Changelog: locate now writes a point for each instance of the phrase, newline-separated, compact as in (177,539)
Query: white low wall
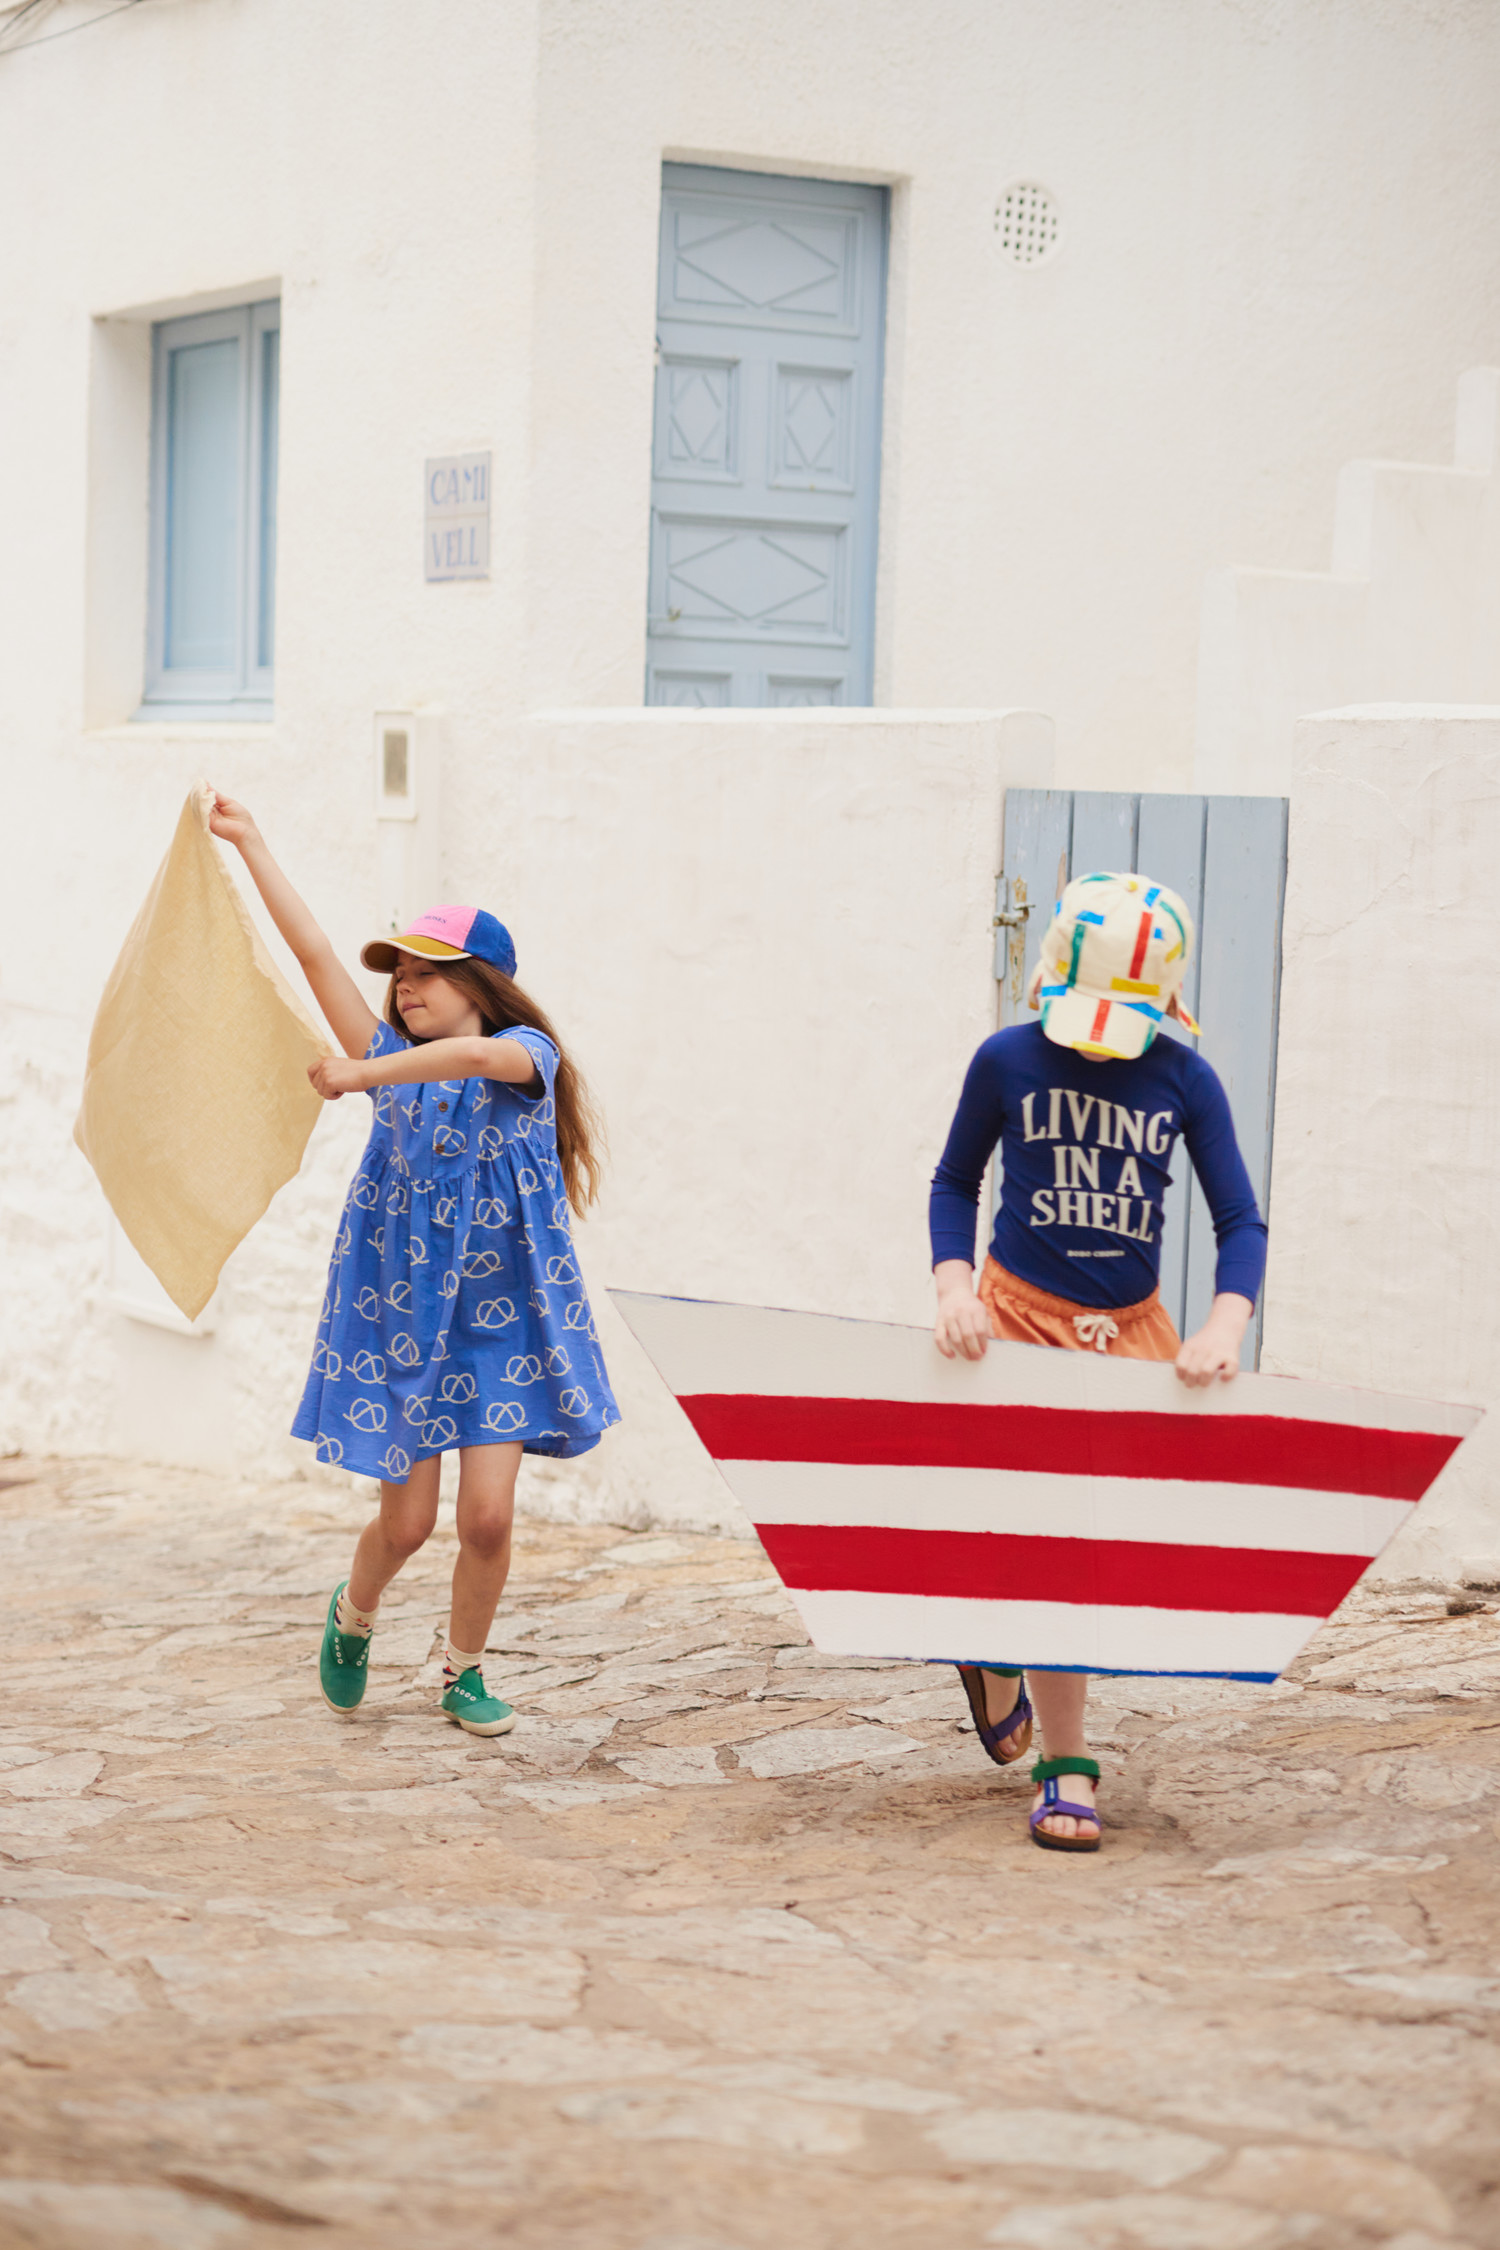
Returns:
(1385,1196)
(765,935)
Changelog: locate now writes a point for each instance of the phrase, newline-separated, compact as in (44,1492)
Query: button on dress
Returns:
(455,1312)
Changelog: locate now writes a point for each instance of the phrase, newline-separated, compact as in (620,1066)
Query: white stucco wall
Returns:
(1277,252)
(767,938)
(1385,1193)
(1409,609)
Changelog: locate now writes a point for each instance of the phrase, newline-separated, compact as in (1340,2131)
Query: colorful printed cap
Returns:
(447,933)
(1113,959)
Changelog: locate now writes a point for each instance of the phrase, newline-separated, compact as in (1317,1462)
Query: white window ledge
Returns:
(156,726)
(132,1288)
(247,712)
(834,716)
(164,1315)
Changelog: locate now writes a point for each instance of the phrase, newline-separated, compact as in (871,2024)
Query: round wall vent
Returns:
(1027,225)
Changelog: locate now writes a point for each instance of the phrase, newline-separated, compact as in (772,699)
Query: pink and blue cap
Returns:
(447,933)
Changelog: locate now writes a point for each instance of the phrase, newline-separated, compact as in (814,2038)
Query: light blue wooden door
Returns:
(1226,856)
(766,440)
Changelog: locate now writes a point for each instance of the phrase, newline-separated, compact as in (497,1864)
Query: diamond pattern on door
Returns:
(814,427)
(690,691)
(752,576)
(771,310)
(773,266)
(697,402)
(801,695)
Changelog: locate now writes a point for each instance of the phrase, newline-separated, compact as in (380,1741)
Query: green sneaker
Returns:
(343,1661)
(470,1705)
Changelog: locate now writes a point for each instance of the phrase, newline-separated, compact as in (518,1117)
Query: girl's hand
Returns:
(232,822)
(336,1075)
(1215,1351)
(962,1327)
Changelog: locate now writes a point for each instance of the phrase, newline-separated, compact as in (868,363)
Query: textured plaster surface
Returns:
(1405,614)
(1385,1191)
(727,1946)
(1277,252)
(767,942)
(1275,255)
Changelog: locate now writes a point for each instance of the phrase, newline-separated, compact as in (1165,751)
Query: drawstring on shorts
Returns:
(1095,1328)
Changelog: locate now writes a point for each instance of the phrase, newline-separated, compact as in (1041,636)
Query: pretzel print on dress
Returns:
(462,1284)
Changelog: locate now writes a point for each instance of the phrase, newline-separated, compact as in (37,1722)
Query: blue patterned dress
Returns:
(455,1312)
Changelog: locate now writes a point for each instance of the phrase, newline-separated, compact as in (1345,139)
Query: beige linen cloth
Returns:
(196,1103)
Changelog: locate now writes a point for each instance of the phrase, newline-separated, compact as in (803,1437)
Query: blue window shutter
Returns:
(270,408)
(215,418)
(203,506)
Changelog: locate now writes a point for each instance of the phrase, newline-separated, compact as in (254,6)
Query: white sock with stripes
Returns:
(348,1619)
(457,1661)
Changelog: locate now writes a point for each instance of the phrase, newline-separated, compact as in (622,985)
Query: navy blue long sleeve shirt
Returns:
(1085,1148)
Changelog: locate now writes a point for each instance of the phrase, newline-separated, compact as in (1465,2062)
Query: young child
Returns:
(1086,1107)
(455,1316)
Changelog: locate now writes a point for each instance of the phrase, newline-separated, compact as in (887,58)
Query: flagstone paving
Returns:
(729,1946)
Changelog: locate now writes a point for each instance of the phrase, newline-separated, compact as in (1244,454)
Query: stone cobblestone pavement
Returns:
(728,1946)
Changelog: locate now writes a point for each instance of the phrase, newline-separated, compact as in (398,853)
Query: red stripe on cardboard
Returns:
(1208,1449)
(1010,1567)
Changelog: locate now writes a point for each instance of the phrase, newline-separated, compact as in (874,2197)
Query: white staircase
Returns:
(1408,613)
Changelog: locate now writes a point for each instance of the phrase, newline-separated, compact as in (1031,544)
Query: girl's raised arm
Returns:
(350,1017)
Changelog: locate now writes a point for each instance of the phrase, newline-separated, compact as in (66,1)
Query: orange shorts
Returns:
(1020,1314)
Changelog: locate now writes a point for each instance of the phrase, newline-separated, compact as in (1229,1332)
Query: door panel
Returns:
(1169,844)
(1226,856)
(1103,831)
(766,439)
(1244,876)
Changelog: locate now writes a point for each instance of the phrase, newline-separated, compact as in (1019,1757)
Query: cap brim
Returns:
(1096,1026)
(381,953)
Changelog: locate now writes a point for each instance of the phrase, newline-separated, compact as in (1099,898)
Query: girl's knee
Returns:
(406,1534)
(486,1536)
(409,1512)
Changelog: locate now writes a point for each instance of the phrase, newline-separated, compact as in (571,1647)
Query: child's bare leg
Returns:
(407,1514)
(1060,1699)
(486,1506)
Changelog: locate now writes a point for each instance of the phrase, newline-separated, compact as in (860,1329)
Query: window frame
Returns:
(243,690)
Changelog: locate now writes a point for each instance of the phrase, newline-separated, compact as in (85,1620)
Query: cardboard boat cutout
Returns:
(1060,1510)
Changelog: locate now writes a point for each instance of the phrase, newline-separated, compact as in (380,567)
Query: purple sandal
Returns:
(1046,1772)
(1016,1722)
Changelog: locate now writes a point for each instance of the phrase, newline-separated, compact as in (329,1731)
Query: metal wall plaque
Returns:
(456,533)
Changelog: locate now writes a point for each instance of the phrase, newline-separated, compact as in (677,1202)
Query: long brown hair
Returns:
(502,1003)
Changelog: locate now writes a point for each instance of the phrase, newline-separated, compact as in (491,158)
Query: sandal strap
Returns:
(1018,1716)
(1054,1805)
(1048,1769)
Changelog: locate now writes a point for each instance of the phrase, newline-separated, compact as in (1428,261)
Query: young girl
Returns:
(1076,1248)
(455,1316)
